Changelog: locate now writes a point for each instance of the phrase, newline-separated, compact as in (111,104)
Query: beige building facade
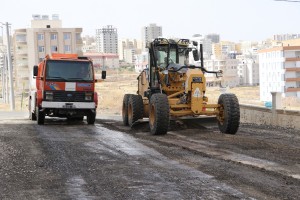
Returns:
(31,45)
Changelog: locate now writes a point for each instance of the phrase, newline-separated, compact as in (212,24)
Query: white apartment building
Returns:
(279,71)
(31,45)
(206,45)
(150,32)
(104,60)
(248,70)
(141,61)
(129,45)
(229,68)
(129,56)
(107,40)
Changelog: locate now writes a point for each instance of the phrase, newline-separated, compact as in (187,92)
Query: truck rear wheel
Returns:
(125,109)
(32,116)
(159,114)
(40,115)
(135,109)
(229,116)
(91,117)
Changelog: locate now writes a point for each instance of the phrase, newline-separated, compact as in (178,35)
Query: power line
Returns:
(293,1)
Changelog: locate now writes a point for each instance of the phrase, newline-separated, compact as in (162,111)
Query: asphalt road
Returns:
(74,160)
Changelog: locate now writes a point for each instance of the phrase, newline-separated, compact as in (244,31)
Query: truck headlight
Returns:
(49,96)
(88,96)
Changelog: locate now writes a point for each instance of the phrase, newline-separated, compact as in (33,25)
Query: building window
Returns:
(41,49)
(53,36)
(78,36)
(67,36)
(40,36)
(21,38)
(53,48)
(67,48)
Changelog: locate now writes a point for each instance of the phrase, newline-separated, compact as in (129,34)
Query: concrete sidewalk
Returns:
(13,115)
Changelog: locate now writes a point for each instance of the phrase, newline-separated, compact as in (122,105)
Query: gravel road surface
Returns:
(73,160)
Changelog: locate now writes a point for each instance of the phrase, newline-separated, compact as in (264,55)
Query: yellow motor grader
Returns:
(170,87)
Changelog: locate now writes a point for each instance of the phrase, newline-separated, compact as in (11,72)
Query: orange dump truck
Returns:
(65,87)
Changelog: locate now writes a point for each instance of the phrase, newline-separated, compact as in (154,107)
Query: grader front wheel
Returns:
(135,109)
(159,114)
(229,116)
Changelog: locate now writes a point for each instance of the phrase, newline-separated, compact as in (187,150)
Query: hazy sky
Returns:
(233,19)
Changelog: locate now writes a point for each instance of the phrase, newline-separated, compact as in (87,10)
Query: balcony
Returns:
(21,52)
(292,79)
(293,69)
(292,89)
(293,59)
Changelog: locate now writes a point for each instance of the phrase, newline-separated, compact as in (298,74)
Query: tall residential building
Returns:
(141,61)
(127,47)
(215,38)
(150,32)
(223,49)
(248,69)
(229,68)
(31,45)
(89,44)
(282,37)
(107,40)
(279,71)
(206,45)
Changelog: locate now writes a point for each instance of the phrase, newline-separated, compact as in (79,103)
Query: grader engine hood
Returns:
(196,85)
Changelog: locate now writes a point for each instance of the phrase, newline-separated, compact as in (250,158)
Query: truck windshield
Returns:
(64,70)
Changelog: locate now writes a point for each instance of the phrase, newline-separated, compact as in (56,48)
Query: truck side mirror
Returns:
(103,75)
(35,70)
(195,43)
(196,55)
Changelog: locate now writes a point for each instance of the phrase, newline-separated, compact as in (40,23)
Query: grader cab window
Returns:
(162,57)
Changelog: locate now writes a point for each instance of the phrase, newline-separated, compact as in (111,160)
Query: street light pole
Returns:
(10,70)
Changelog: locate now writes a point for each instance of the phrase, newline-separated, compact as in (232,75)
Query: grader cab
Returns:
(170,88)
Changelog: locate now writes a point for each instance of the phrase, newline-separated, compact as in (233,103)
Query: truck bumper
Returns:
(68,105)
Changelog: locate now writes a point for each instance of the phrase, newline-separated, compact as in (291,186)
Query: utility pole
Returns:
(10,71)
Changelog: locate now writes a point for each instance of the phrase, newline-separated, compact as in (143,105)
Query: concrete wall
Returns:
(266,116)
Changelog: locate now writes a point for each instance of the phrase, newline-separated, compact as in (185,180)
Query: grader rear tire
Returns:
(159,114)
(229,114)
(135,109)
(125,109)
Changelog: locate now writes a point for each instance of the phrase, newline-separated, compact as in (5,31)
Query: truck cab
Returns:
(65,87)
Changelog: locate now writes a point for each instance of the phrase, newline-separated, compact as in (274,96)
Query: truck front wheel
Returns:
(40,115)
(91,117)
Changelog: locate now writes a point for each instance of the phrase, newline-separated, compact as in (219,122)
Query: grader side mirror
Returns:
(196,55)
(35,70)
